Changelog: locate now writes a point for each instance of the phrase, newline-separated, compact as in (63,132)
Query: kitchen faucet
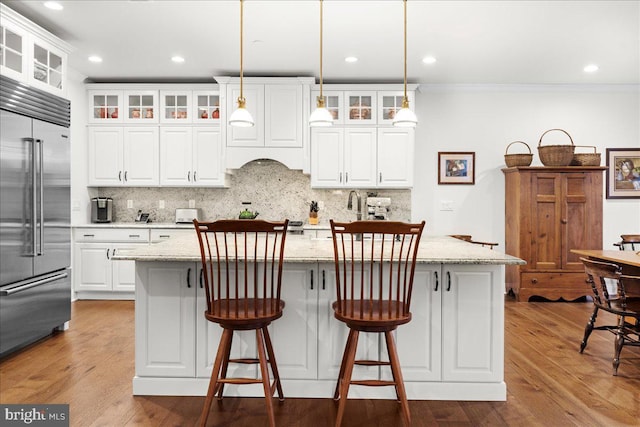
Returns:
(350,204)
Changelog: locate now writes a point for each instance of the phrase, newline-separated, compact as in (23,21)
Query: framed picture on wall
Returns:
(623,173)
(456,167)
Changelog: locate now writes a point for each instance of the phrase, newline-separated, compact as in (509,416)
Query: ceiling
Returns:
(474,42)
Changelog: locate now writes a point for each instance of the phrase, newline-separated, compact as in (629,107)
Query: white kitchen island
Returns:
(453,349)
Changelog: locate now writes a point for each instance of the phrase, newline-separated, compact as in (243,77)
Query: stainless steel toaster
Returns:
(187,215)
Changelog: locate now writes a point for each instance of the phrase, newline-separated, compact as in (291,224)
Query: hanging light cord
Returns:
(241,51)
(321,97)
(405,52)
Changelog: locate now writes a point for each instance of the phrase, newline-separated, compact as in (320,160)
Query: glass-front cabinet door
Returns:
(206,107)
(141,106)
(360,107)
(105,106)
(12,54)
(48,66)
(390,102)
(333,101)
(175,106)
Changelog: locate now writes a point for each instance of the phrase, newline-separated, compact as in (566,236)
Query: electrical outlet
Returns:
(129,204)
(192,203)
(446,205)
(161,204)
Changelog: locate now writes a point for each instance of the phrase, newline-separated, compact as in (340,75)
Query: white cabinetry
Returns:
(351,155)
(95,274)
(279,107)
(191,156)
(123,156)
(166,319)
(343,157)
(31,55)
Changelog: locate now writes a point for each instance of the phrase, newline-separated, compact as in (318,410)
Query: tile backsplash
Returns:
(274,191)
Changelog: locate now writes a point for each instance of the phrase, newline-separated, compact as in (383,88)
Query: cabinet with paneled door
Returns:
(206,107)
(548,212)
(362,157)
(191,156)
(176,106)
(96,274)
(123,106)
(123,156)
(333,101)
(32,55)
(390,102)
(343,157)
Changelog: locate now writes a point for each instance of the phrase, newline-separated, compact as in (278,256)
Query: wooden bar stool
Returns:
(242,273)
(375,264)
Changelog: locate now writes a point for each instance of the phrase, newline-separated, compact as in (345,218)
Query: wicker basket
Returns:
(512,160)
(586,159)
(556,155)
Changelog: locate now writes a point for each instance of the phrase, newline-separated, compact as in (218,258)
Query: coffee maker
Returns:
(378,208)
(101,209)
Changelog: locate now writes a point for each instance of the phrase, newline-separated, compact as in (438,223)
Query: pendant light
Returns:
(320,116)
(241,116)
(405,117)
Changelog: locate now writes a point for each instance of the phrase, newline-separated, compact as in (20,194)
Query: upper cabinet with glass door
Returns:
(390,102)
(206,107)
(141,106)
(31,55)
(175,106)
(333,101)
(105,106)
(360,107)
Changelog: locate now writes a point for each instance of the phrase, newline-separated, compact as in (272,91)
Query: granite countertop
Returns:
(300,248)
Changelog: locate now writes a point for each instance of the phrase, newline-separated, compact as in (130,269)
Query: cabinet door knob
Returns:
(311,279)
(437,281)
(534,280)
(563,220)
(120,176)
(189,278)
(448,281)
(125,176)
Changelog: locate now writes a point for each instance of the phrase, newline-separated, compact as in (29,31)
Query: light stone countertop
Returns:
(300,248)
(164,225)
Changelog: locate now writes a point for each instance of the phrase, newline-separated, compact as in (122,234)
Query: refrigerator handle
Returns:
(33,284)
(34,196)
(41,195)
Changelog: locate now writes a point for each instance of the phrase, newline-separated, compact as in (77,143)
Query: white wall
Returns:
(485,119)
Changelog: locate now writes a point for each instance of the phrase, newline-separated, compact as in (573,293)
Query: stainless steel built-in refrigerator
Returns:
(35,236)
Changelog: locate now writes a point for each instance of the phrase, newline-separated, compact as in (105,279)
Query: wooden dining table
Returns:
(629,261)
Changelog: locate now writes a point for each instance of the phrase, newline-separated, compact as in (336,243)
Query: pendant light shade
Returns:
(241,117)
(405,117)
(320,116)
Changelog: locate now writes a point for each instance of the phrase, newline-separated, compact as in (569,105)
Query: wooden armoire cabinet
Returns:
(548,212)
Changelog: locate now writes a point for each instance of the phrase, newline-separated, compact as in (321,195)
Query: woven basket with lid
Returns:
(556,155)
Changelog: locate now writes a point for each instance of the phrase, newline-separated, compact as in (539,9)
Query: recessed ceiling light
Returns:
(428,60)
(53,5)
(95,58)
(177,59)
(591,68)
(350,59)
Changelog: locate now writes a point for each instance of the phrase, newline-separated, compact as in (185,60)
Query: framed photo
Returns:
(623,173)
(456,168)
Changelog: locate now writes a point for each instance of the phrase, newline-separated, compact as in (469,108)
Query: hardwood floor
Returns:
(549,382)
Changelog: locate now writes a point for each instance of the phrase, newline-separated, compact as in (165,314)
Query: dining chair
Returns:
(612,297)
(468,238)
(374,265)
(628,241)
(242,274)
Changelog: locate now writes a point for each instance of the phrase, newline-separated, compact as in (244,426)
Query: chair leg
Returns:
(397,377)
(225,365)
(336,394)
(272,362)
(619,342)
(225,343)
(266,383)
(589,328)
(345,381)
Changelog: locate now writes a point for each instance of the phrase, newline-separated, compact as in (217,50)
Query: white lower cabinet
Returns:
(452,348)
(95,273)
(166,319)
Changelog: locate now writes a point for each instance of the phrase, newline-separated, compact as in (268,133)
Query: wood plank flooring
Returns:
(549,383)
